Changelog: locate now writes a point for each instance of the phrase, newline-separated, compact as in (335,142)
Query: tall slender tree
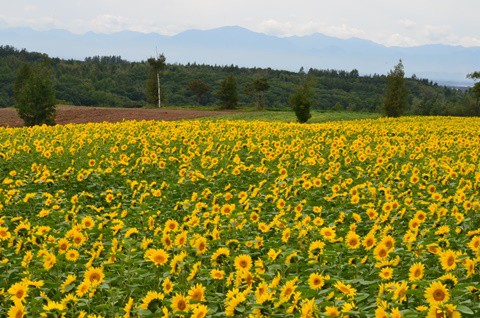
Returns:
(34,94)
(395,99)
(476,91)
(259,85)
(228,92)
(199,88)
(302,100)
(157,65)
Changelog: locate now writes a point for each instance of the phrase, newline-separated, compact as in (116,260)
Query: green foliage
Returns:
(199,88)
(258,86)
(112,81)
(301,101)
(476,92)
(35,95)
(395,99)
(289,116)
(474,75)
(337,107)
(228,93)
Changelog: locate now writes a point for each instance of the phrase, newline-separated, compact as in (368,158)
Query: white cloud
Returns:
(274,27)
(39,23)
(437,33)
(407,23)
(288,28)
(395,22)
(400,40)
(469,40)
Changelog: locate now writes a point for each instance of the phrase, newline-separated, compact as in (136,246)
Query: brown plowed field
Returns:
(82,114)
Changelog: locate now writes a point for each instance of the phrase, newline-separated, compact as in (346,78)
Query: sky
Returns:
(388,22)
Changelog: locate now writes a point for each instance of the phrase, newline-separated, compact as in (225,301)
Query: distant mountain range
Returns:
(447,65)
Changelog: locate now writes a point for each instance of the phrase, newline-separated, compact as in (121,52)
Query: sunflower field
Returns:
(369,218)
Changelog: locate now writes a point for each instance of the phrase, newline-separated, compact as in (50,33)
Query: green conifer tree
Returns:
(395,99)
(228,93)
(34,94)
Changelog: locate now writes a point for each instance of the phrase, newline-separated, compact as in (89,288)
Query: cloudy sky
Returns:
(389,22)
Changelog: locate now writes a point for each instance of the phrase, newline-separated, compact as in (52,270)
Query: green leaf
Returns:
(240,309)
(465,310)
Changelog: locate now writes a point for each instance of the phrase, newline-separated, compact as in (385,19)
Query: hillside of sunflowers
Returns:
(368,218)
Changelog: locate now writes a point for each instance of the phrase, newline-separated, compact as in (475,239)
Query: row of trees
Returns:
(111,81)
(424,96)
(395,99)
(228,92)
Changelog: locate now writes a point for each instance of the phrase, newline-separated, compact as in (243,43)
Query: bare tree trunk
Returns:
(158,85)
(260,101)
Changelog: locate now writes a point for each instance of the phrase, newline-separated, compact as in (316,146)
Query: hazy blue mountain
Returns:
(239,46)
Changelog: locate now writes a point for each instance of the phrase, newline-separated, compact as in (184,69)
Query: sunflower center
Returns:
(450,261)
(95,277)
(158,258)
(345,290)
(19,294)
(197,295)
(382,253)
(181,305)
(438,295)
(288,291)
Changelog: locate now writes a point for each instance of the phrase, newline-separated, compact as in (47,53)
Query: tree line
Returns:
(112,81)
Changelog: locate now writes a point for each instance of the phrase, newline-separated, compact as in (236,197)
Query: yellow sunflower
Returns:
(72,255)
(88,222)
(288,289)
(201,245)
(4,234)
(243,262)
(316,281)
(18,291)
(386,273)
(179,303)
(200,311)
(447,310)
(369,241)
(474,243)
(16,311)
(217,274)
(197,292)
(437,293)
(448,260)
(157,256)
(152,301)
(328,233)
(167,285)
(381,252)
(94,275)
(346,289)
(331,311)
(352,240)
(63,245)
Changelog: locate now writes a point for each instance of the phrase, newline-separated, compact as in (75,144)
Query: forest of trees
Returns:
(112,81)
